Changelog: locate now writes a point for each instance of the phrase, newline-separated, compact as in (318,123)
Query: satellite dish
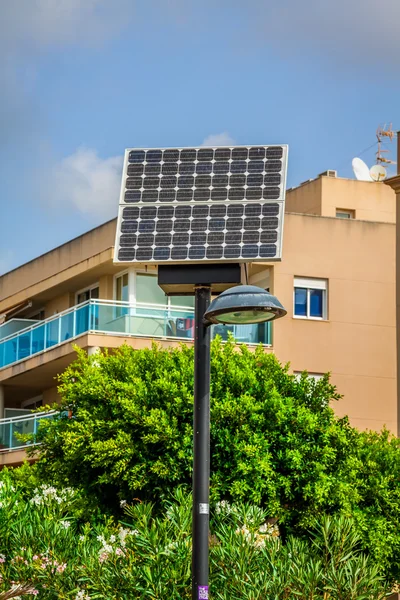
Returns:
(361,170)
(378,173)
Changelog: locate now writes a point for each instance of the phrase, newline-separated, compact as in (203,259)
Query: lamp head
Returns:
(242,305)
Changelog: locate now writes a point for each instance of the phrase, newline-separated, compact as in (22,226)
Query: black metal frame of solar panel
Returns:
(170,212)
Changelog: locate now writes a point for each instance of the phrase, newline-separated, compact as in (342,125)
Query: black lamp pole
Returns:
(201,446)
(236,304)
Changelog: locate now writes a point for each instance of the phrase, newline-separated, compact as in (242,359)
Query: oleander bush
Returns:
(50,554)
(126,434)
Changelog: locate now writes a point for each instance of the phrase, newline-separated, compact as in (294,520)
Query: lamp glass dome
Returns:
(243,305)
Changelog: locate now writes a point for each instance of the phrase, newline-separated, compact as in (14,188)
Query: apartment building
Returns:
(336,280)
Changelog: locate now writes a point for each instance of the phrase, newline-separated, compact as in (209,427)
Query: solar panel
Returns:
(202,204)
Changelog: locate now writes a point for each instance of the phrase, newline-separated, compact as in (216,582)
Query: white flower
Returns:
(170,548)
(65,524)
(112,539)
(81,595)
(123,503)
(81,537)
(223,507)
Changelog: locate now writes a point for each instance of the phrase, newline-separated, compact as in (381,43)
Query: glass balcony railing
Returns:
(117,318)
(9,428)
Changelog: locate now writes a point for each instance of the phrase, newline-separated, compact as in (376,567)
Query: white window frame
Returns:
(167,305)
(130,290)
(316,376)
(349,211)
(132,286)
(86,289)
(309,283)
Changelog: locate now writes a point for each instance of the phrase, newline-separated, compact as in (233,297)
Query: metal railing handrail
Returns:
(94,302)
(38,324)
(32,417)
(8,433)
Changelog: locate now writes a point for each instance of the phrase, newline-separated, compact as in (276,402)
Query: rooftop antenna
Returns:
(377,172)
(384,132)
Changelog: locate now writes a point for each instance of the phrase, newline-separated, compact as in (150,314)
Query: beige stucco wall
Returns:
(305,198)
(56,261)
(394,183)
(358,341)
(51,396)
(322,196)
(58,304)
(106,287)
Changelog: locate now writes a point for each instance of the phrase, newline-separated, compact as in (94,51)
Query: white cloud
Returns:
(219,139)
(86,183)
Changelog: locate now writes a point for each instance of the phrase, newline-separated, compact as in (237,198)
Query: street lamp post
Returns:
(244,304)
(201,446)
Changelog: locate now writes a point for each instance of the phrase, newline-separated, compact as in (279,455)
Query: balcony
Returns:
(120,319)
(9,428)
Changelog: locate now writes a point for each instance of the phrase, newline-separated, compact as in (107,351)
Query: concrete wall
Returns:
(322,196)
(358,341)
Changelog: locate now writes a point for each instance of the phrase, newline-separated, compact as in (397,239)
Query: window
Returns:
(316,376)
(89,293)
(344,213)
(149,292)
(122,288)
(310,298)
(121,293)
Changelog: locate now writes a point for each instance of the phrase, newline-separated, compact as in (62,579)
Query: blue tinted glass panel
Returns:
(38,337)
(316,303)
(300,302)
(24,345)
(10,351)
(67,326)
(52,337)
(82,320)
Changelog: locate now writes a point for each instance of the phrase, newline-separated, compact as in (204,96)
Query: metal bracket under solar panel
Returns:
(194,205)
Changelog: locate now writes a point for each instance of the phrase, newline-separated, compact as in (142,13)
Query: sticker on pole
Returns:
(204,509)
(203,592)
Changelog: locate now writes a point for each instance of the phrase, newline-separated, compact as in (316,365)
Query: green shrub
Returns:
(275,441)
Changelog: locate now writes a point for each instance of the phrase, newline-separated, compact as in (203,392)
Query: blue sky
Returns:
(84,79)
